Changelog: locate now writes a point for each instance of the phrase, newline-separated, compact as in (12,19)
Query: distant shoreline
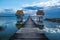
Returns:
(53,19)
(7,16)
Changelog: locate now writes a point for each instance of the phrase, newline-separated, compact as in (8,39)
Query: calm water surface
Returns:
(51,29)
(8,23)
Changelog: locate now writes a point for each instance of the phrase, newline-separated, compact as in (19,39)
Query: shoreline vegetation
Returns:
(53,19)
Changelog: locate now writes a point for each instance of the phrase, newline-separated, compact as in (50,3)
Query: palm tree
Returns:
(40,12)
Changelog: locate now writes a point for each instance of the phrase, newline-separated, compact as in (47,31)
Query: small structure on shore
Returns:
(20,15)
(40,14)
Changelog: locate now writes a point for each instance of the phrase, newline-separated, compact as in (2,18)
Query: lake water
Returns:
(51,29)
(8,23)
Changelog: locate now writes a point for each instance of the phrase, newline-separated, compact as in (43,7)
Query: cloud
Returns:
(1,10)
(33,8)
(31,12)
(43,3)
(7,11)
(46,5)
(15,9)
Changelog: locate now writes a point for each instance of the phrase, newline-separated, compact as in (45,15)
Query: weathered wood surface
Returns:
(29,32)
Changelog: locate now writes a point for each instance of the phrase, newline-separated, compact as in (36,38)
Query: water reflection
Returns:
(19,22)
(9,27)
(40,25)
(1,28)
(19,18)
(50,29)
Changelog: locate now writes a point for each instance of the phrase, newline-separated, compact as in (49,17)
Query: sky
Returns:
(19,4)
(28,4)
(14,3)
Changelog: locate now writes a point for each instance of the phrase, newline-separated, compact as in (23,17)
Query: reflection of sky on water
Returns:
(8,23)
(52,33)
(51,29)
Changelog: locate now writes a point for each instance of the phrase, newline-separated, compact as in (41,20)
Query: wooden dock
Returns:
(29,31)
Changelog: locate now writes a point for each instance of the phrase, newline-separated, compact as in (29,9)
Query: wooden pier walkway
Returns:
(29,32)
